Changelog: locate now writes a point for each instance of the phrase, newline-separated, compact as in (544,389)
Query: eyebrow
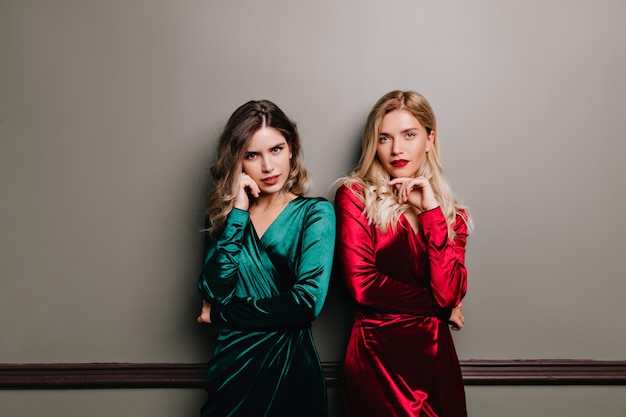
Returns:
(284,142)
(403,131)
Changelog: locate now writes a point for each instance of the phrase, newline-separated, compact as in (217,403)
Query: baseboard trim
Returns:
(544,372)
(180,375)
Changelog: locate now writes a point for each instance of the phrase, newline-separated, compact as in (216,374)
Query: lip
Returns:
(271,180)
(399,163)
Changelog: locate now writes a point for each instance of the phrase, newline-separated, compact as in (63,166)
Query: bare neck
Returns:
(271,201)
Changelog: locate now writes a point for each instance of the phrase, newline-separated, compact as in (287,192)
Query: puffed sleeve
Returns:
(220,270)
(448,275)
(303,303)
(355,249)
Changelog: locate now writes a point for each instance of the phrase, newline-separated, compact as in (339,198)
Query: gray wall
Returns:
(109,114)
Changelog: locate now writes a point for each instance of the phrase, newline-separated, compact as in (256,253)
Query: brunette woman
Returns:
(266,271)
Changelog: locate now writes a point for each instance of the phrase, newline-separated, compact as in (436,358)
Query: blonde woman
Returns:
(401,238)
(266,271)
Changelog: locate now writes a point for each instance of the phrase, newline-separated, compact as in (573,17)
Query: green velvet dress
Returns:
(264,294)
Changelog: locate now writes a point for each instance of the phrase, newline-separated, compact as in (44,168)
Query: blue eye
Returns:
(251,155)
(410,135)
(383,139)
(276,149)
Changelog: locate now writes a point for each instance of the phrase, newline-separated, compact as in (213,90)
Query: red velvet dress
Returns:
(400,359)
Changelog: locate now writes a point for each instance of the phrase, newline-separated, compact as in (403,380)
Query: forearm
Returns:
(446,257)
(279,312)
(386,294)
(365,282)
(303,302)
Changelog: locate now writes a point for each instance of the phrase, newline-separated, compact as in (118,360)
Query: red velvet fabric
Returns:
(400,359)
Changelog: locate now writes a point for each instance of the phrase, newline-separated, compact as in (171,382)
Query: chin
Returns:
(273,189)
(400,173)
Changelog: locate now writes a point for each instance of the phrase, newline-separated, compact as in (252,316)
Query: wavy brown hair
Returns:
(231,149)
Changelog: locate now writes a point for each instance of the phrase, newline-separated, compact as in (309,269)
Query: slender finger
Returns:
(253,190)
(248,184)
(396,181)
(257,189)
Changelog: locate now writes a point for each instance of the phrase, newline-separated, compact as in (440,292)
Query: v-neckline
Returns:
(406,219)
(278,216)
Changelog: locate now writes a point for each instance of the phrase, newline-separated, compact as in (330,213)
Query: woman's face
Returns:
(267,160)
(402,144)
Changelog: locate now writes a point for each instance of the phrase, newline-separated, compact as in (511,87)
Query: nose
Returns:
(395,147)
(267,164)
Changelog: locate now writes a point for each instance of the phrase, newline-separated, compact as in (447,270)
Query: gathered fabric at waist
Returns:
(388,317)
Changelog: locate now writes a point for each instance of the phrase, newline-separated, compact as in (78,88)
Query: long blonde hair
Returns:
(231,149)
(380,200)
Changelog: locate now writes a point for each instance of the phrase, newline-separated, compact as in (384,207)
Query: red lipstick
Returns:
(399,163)
(271,180)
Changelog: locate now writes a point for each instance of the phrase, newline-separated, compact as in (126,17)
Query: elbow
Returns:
(312,314)
(450,288)
(365,289)
(302,316)
(363,297)
(447,303)
(309,307)
(309,312)
(452,297)
(360,297)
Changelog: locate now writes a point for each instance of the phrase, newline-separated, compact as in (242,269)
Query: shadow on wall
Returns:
(331,330)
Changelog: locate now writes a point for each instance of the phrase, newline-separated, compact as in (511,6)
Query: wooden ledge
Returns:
(180,375)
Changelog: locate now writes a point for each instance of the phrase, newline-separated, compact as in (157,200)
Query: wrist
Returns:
(241,205)
(216,317)
(428,207)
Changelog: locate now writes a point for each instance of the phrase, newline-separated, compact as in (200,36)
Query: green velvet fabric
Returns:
(265,292)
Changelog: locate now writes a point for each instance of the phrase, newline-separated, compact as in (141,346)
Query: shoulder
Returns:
(349,197)
(316,210)
(351,191)
(310,201)
(313,204)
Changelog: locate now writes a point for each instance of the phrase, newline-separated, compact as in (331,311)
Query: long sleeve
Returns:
(220,270)
(303,302)
(364,281)
(448,275)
